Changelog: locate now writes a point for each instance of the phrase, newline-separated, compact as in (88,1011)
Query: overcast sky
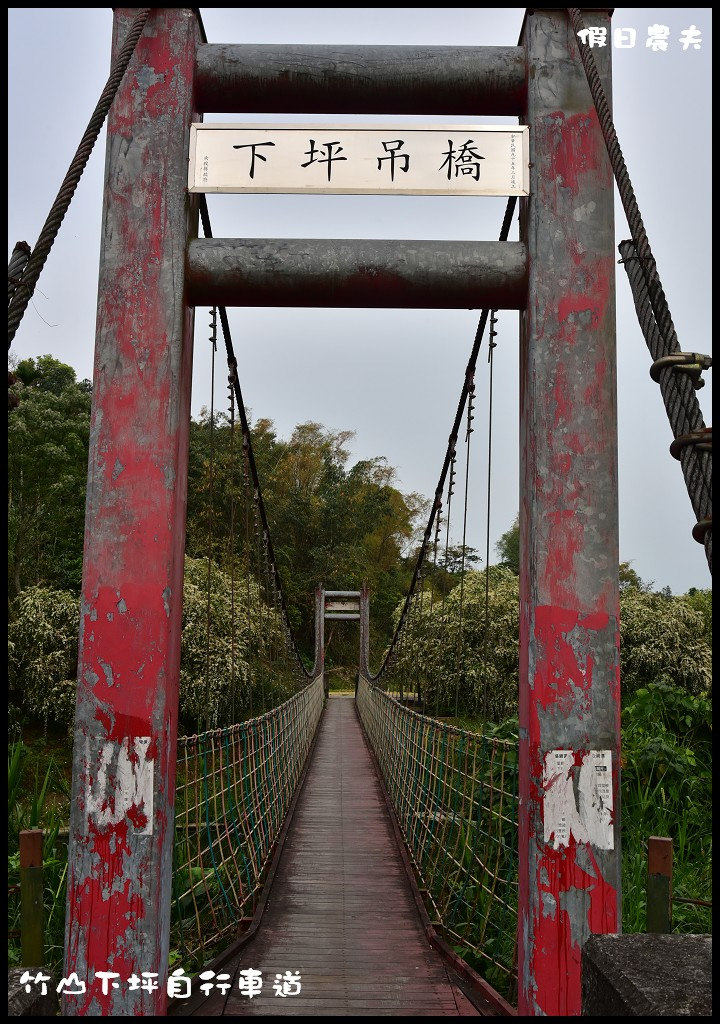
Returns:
(393,376)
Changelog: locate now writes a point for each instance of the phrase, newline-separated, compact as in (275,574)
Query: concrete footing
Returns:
(647,976)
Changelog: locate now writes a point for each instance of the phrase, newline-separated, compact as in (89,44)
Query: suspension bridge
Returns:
(360,854)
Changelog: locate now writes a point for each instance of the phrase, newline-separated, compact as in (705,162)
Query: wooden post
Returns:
(121,829)
(569,839)
(659,884)
(32,911)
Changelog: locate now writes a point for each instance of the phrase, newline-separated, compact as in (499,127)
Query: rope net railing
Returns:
(455,796)
(233,790)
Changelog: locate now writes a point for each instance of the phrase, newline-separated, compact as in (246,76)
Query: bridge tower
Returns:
(154,270)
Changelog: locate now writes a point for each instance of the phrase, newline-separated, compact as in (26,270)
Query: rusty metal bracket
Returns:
(691,363)
(701,528)
(702,439)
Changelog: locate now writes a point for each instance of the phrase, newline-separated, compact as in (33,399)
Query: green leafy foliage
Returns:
(508,547)
(667,791)
(450,640)
(42,656)
(663,639)
(222,677)
(48,436)
(333,523)
(226,673)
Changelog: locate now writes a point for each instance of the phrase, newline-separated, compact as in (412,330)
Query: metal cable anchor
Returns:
(701,528)
(691,363)
(702,439)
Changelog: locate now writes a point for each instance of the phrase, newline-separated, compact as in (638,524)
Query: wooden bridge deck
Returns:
(340,911)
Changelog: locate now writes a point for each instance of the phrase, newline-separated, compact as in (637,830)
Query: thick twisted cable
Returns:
(678,394)
(627,193)
(23,291)
(18,262)
(679,398)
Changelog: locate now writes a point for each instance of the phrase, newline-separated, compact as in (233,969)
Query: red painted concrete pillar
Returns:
(569,844)
(126,722)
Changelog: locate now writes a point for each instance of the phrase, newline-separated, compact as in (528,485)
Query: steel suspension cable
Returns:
(232,545)
(18,262)
(25,287)
(213,344)
(423,661)
(438,522)
(245,427)
(461,651)
(452,442)
(492,344)
(246,483)
(678,397)
(450,492)
(261,632)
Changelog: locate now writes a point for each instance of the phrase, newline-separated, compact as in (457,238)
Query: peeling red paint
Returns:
(114,912)
(558,976)
(119,870)
(119,727)
(563,686)
(561,395)
(568,590)
(560,679)
(594,391)
(575,146)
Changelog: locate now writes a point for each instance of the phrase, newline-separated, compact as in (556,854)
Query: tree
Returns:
(452,644)
(664,640)
(332,522)
(48,435)
(236,667)
(701,601)
(629,579)
(42,657)
(233,661)
(508,547)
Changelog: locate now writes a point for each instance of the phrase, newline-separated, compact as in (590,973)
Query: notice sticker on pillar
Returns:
(121,784)
(578,798)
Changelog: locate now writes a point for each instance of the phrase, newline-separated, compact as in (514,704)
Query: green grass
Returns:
(39,797)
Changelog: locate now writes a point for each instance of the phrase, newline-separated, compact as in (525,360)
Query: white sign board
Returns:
(340,605)
(454,160)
